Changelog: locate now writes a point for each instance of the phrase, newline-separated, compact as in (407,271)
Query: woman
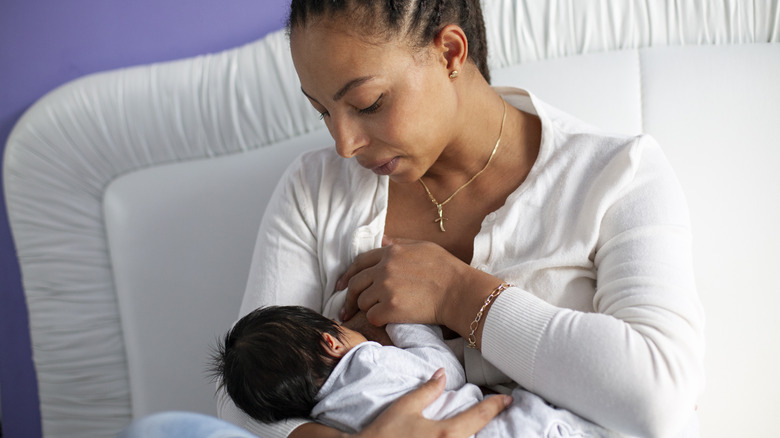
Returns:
(559,254)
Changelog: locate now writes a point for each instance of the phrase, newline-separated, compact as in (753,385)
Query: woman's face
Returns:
(386,104)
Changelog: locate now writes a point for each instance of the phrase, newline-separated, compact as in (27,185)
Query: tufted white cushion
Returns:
(181,238)
(60,158)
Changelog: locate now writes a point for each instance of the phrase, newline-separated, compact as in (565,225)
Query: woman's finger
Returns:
(376,313)
(358,297)
(358,280)
(362,261)
(366,296)
(404,417)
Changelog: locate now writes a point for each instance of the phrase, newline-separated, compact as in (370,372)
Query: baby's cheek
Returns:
(360,324)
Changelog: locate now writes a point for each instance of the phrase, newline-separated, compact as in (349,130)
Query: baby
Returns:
(285,362)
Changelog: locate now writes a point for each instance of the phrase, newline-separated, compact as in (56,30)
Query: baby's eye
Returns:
(374,106)
(323,114)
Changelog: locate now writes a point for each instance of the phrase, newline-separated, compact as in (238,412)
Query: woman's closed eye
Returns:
(368,110)
(374,106)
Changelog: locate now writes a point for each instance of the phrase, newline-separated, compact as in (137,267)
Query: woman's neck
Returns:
(477,131)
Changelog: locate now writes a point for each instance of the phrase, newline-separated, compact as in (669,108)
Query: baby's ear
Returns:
(333,346)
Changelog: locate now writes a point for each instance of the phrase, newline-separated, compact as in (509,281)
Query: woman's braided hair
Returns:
(419,20)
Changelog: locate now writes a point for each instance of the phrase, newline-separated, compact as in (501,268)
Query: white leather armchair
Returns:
(134,195)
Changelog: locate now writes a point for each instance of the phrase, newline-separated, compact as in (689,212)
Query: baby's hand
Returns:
(360,324)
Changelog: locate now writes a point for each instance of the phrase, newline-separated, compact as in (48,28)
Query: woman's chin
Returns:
(402,178)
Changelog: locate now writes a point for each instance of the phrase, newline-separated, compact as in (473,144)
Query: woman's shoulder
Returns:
(570,136)
(586,153)
(562,130)
(566,125)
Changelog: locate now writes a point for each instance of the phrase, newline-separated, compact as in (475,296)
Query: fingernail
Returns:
(342,313)
(340,284)
(438,374)
(508,400)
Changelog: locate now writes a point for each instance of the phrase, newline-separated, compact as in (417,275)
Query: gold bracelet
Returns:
(475,324)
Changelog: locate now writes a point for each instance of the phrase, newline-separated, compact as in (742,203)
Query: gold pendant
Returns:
(441,217)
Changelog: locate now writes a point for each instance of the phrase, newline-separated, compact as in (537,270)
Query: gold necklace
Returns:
(440,205)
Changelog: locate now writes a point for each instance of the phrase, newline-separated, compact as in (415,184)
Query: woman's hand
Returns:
(404,417)
(403,281)
(416,282)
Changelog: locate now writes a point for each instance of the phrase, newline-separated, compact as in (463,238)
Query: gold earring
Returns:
(454,74)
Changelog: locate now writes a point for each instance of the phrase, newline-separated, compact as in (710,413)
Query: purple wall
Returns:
(45,43)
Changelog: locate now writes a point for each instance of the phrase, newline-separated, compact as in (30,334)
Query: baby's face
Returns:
(352,338)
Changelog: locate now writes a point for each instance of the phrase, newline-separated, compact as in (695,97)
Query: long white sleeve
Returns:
(633,363)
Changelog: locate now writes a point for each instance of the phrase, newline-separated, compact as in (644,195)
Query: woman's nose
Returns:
(348,135)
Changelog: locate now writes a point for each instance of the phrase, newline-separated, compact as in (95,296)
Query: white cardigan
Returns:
(604,319)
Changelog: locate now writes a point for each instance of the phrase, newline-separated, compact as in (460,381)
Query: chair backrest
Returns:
(134,195)
(181,238)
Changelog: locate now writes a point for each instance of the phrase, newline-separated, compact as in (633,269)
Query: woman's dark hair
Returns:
(273,362)
(420,20)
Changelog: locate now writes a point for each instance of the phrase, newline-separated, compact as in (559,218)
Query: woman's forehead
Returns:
(323,55)
(321,50)
(339,35)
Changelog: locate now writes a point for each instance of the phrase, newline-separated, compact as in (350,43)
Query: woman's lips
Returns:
(386,168)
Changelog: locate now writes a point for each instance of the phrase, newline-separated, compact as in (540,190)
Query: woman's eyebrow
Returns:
(350,85)
(344,90)
(307,95)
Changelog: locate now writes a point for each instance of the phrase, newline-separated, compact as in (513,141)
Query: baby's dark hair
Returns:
(273,361)
(420,20)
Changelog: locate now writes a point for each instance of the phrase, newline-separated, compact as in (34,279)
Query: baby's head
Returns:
(274,360)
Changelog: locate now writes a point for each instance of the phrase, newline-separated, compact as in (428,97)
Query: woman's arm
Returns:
(635,365)
(285,268)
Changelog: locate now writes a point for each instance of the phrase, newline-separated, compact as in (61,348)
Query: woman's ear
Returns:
(333,346)
(454,45)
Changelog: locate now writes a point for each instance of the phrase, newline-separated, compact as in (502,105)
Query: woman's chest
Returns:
(453,223)
(446,227)
(540,248)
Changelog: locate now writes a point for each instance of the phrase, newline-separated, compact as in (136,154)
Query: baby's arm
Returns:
(426,342)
